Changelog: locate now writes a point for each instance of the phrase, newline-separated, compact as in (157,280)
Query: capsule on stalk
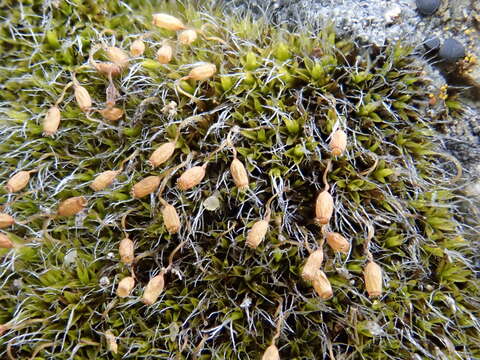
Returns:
(111,113)
(170,218)
(126,250)
(187,37)
(165,54)
(373,279)
(312,265)
(82,96)
(239,174)
(125,286)
(162,154)
(322,285)
(153,289)
(338,143)
(18,181)
(202,72)
(72,206)
(257,233)
(145,186)
(337,242)
(190,178)
(51,121)
(104,180)
(168,22)
(137,48)
(117,56)
(323,208)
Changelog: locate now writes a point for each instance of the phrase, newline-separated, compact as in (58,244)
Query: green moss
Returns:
(286,93)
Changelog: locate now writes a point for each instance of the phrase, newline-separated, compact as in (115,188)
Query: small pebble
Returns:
(427,7)
(451,50)
(432,44)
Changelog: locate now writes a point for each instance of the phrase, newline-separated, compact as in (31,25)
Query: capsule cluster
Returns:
(118,61)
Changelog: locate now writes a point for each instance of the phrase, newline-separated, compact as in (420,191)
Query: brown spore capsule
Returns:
(162,154)
(323,208)
(6,220)
(104,180)
(117,56)
(322,285)
(125,286)
(18,181)
(187,37)
(111,341)
(338,143)
(165,54)
(107,68)
(239,174)
(337,242)
(312,265)
(111,113)
(83,98)
(126,250)
(168,22)
(153,289)
(51,121)
(190,178)
(137,48)
(202,72)
(72,206)
(170,218)
(145,186)
(373,279)
(257,233)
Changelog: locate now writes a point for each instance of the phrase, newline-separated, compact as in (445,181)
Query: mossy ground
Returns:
(220,302)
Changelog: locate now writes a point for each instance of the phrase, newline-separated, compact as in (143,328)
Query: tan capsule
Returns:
(202,72)
(168,22)
(117,56)
(51,121)
(104,180)
(271,353)
(126,250)
(6,220)
(145,186)
(111,341)
(83,98)
(257,233)
(312,265)
(112,113)
(373,279)
(153,289)
(323,208)
(171,218)
(125,286)
(322,285)
(71,206)
(165,54)
(190,178)
(107,68)
(5,242)
(239,174)
(18,181)
(137,48)
(162,154)
(337,242)
(338,142)
(187,37)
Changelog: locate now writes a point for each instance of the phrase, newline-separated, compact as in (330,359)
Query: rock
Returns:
(427,7)
(432,44)
(452,50)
